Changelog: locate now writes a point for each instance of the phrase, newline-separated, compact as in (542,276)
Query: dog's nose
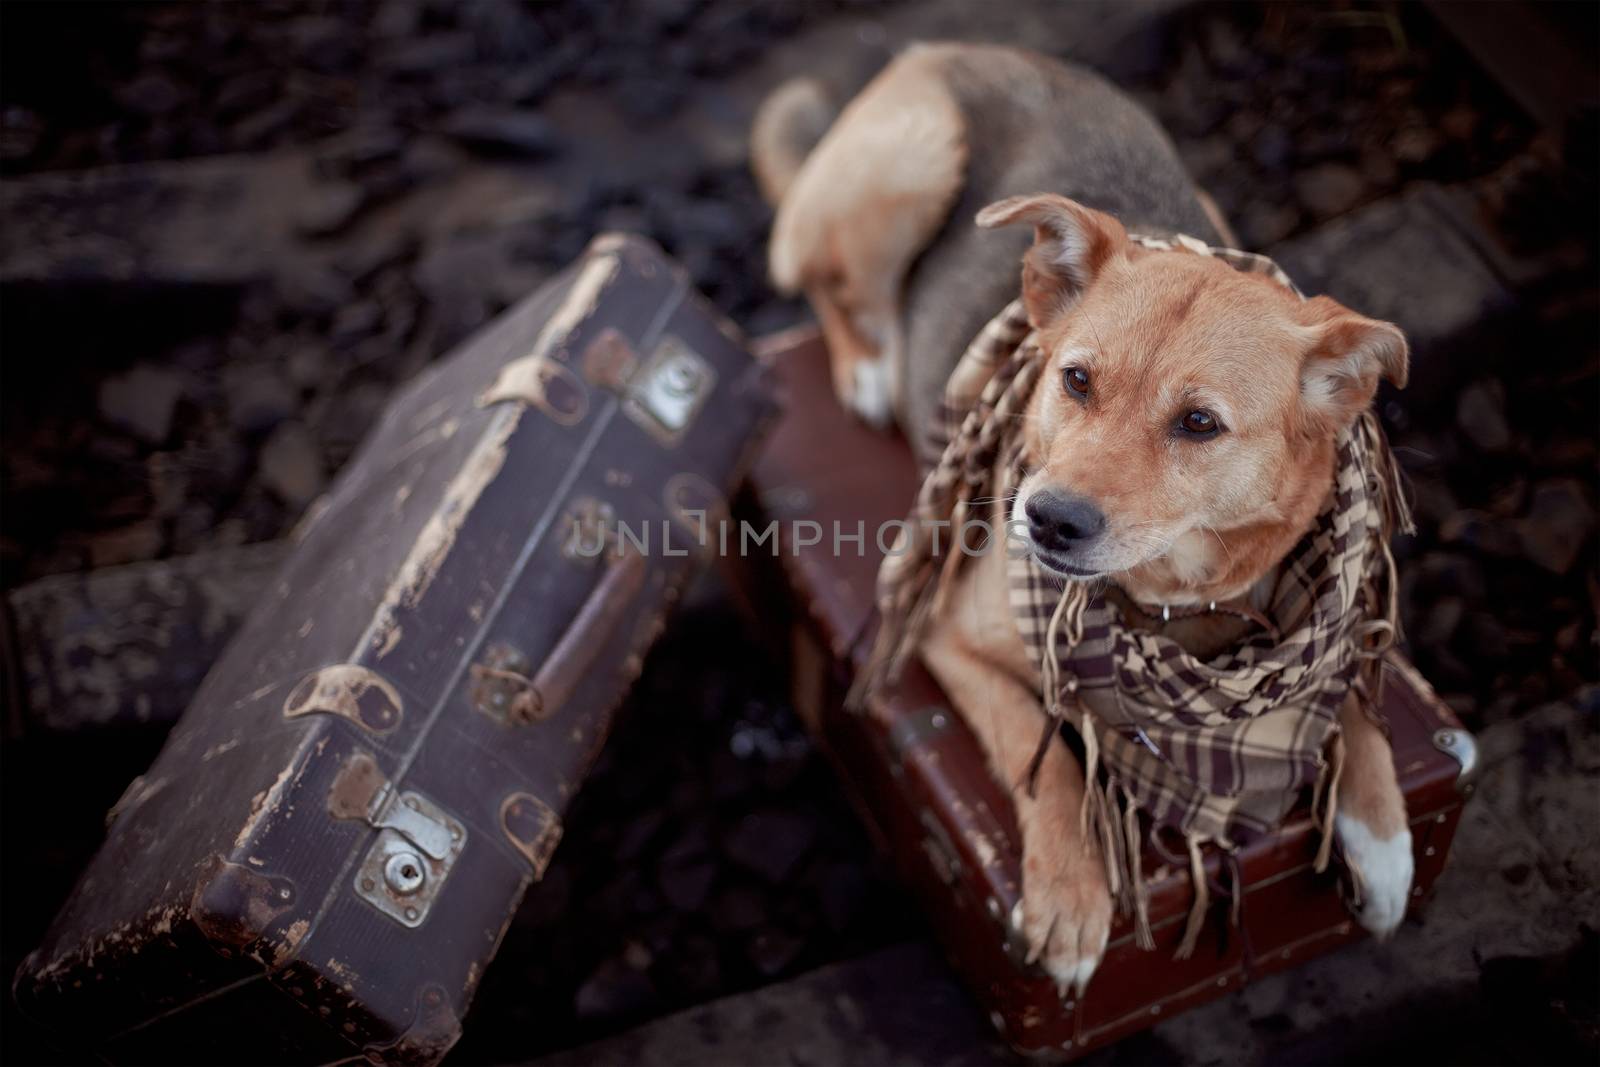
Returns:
(1062,523)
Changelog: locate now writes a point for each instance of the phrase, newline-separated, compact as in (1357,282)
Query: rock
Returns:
(1557,525)
(1207,156)
(291,466)
(1273,148)
(1329,189)
(1431,499)
(142,401)
(1415,144)
(638,834)
(260,128)
(150,95)
(772,843)
(355,321)
(423,55)
(169,482)
(614,990)
(307,365)
(362,147)
(258,398)
(366,256)
(20,133)
(1441,623)
(245,93)
(1378,168)
(1485,639)
(738,908)
(502,132)
(315,291)
(343,417)
(1459,123)
(843,891)
(694,967)
(1480,415)
(1266,224)
(685,886)
(772,950)
(1509,497)
(130,544)
(1479,530)
(321,42)
(397,18)
(459,275)
(329,208)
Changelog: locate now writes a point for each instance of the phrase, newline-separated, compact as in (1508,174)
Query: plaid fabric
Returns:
(1216,750)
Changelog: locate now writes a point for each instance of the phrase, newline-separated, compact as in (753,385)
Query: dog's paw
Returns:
(872,394)
(1064,915)
(1385,869)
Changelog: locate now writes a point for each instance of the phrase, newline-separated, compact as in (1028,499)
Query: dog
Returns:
(1182,438)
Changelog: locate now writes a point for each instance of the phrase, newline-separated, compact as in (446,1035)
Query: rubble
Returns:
(142,401)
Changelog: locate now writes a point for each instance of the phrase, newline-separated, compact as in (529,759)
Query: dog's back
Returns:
(1023,123)
(1032,124)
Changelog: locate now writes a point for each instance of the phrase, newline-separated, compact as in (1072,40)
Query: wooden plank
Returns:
(124,647)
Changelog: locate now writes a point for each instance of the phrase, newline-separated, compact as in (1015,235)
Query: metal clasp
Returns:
(1460,746)
(667,394)
(418,843)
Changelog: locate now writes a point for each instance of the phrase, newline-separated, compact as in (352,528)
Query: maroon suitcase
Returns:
(322,860)
(922,785)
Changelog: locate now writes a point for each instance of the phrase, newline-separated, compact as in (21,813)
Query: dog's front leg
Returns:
(1371,822)
(1065,912)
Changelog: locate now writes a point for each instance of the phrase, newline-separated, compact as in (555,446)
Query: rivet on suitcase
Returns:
(324,857)
(921,781)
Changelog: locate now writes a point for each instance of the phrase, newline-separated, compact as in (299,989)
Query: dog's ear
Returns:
(1349,354)
(1071,245)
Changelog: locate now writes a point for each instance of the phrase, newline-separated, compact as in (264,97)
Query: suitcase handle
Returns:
(578,647)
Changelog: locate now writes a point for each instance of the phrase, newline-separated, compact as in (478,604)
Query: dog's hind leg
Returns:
(1371,822)
(865,203)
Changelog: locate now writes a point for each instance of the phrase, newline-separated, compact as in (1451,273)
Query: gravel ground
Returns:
(438,160)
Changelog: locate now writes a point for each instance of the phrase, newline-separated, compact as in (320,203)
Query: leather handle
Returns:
(583,641)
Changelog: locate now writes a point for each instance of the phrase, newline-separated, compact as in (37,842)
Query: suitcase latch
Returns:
(666,395)
(418,842)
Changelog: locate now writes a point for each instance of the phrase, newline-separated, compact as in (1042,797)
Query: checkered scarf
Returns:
(1216,751)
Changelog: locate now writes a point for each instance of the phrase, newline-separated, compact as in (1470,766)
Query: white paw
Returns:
(1385,869)
(1066,920)
(872,397)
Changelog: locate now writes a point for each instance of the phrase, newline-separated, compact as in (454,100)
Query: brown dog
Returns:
(1183,437)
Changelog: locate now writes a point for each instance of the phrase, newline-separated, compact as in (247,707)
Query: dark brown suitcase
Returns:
(322,860)
(921,781)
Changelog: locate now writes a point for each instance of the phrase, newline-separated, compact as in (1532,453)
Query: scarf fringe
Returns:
(1141,895)
(1110,816)
(1202,901)
(1325,801)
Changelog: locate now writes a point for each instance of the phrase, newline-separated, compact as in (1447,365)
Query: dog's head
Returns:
(1181,437)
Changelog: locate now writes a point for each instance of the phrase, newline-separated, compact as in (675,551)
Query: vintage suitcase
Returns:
(322,860)
(921,783)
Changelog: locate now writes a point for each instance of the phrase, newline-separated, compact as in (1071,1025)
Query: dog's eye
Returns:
(1199,424)
(1076,380)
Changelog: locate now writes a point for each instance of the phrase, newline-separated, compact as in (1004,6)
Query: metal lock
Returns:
(668,393)
(1460,746)
(402,873)
(418,843)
